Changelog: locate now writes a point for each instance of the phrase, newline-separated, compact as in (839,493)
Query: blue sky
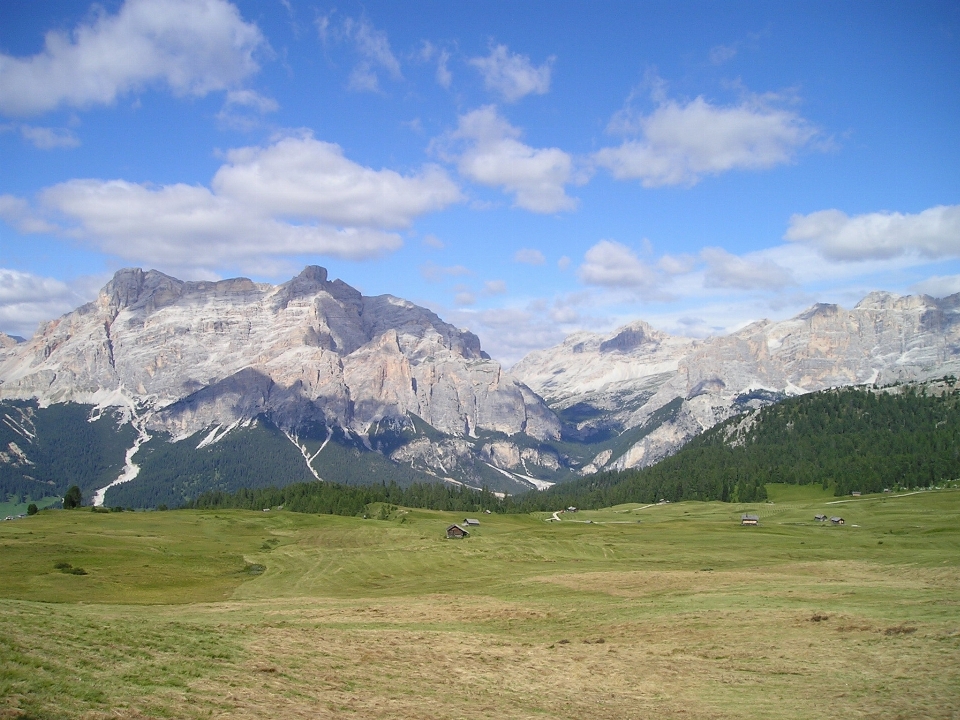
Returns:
(525,169)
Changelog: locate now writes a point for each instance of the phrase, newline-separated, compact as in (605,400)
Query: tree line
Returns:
(848,439)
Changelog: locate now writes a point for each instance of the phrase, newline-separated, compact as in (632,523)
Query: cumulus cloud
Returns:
(187,225)
(305,178)
(611,264)
(494,287)
(296,196)
(512,75)
(494,156)
(27,299)
(192,46)
(529,256)
(933,233)
(679,144)
(725,270)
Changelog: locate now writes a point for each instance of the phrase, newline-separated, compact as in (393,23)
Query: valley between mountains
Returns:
(160,389)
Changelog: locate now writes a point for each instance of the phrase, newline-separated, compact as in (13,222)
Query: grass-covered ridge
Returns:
(662,611)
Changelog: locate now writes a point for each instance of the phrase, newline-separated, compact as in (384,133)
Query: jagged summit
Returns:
(311,347)
(623,380)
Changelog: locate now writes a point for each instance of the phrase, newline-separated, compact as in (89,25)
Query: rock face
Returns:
(622,381)
(184,356)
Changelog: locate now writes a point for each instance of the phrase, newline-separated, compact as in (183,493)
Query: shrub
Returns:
(32,509)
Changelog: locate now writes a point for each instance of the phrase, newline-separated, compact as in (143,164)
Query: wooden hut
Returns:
(455,531)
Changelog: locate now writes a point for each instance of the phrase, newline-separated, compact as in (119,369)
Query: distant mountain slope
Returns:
(183,358)
(607,384)
(857,438)
(43,451)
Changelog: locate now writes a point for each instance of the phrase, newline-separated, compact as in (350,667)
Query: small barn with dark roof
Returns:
(470,521)
(749,519)
(457,532)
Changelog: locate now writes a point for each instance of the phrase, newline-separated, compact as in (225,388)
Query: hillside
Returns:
(333,371)
(863,439)
(603,384)
(218,386)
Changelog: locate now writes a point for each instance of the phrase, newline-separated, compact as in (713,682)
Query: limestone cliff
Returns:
(184,356)
(620,381)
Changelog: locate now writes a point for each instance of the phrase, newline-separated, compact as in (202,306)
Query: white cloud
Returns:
(18,213)
(373,46)
(465,298)
(434,242)
(47,138)
(186,225)
(192,46)
(27,299)
(933,233)
(296,196)
(676,264)
(435,273)
(679,144)
(938,286)
(496,157)
(611,264)
(719,54)
(242,109)
(510,332)
(512,75)
(444,76)
(251,99)
(305,178)
(529,256)
(494,287)
(563,263)
(725,270)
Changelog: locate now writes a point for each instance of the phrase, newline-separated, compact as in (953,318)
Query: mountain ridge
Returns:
(182,357)
(322,363)
(885,338)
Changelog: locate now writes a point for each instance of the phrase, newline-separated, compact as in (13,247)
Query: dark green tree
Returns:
(73,498)
(32,509)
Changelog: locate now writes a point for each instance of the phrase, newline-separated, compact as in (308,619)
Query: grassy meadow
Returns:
(644,611)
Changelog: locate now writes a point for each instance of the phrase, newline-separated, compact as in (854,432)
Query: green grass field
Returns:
(20,508)
(644,611)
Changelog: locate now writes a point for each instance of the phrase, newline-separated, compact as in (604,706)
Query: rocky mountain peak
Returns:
(627,380)
(630,337)
(309,349)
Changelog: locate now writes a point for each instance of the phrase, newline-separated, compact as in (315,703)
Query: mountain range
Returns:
(347,387)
